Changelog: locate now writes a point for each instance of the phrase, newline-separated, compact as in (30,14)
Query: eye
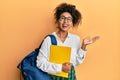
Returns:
(62,17)
(69,19)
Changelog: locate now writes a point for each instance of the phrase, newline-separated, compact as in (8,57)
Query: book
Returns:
(60,55)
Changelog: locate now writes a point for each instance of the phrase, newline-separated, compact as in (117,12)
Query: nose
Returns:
(65,20)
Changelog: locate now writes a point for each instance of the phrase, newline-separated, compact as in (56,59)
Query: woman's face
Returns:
(65,22)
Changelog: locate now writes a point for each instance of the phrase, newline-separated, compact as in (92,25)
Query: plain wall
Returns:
(24,23)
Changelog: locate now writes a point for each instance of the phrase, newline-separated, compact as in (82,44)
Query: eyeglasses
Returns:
(63,18)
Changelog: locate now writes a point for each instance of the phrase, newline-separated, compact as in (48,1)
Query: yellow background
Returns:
(24,23)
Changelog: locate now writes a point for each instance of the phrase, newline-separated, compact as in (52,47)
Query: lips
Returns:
(65,25)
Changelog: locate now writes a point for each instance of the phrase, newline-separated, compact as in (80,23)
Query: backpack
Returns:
(28,68)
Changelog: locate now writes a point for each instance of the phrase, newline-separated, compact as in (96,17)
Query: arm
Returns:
(88,41)
(81,53)
(43,58)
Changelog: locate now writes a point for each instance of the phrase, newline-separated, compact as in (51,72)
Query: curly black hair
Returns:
(64,7)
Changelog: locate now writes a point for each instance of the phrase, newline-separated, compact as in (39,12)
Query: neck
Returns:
(62,34)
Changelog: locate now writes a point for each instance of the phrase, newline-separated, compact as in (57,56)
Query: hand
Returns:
(89,40)
(66,67)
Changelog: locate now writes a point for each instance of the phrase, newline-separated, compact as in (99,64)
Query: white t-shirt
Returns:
(77,54)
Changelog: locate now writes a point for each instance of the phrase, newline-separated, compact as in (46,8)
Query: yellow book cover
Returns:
(60,55)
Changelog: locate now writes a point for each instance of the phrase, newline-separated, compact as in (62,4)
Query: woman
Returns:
(66,16)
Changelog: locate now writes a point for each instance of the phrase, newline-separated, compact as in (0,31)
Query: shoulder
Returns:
(74,36)
(75,40)
(46,39)
(49,37)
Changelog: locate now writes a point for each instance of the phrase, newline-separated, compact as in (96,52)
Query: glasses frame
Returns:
(63,18)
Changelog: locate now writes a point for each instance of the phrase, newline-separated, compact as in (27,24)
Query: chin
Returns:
(65,30)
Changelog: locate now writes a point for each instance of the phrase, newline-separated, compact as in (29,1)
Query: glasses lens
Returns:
(62,18)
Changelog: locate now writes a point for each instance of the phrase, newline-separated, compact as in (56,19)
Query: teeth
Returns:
(65,25)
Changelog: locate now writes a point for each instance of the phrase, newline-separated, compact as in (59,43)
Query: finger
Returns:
(70,64)
(66,63)
(95,38)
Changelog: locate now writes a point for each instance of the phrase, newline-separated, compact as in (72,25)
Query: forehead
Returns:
(66,14)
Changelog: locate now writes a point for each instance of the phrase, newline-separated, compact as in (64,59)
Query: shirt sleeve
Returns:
(80,55)
(43,59)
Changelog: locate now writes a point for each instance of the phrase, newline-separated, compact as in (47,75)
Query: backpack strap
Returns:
(53,40)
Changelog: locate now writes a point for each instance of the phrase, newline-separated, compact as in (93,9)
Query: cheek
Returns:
(59,23)
(71,25)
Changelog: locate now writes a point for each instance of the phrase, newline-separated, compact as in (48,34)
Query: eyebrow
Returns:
(67,17)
